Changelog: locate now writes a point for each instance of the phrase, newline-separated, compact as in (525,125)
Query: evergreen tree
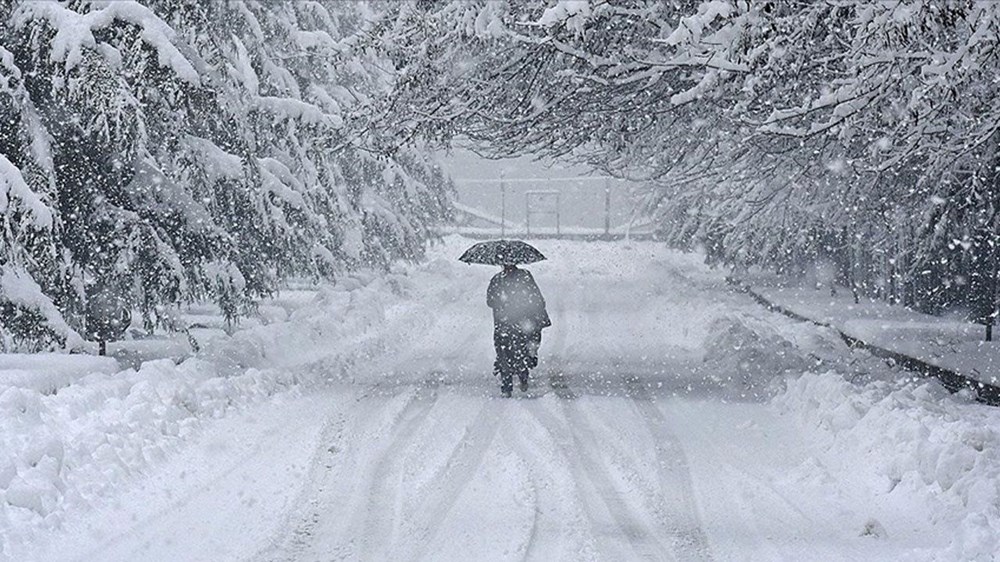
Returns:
(165,152)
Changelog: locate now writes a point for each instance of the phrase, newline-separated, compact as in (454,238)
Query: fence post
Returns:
(527,214)
(503,207)
(607,206)
(558,196)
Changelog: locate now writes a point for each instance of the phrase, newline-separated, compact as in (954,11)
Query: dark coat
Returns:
(517,302)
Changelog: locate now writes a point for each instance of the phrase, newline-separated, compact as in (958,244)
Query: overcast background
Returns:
(581,193)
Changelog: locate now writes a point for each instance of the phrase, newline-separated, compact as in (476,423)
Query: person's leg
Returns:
(534,342)
(506,383)
(504,361)
(523,380)
(521,357)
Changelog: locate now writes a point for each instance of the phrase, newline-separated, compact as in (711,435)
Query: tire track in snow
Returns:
(679,512)
(461,466)
(558,515)
(641,536)
(577,444)
(377,511)
(673,504)
(530,544)
(365,486)
(332,431)
(590,509)
(350,482)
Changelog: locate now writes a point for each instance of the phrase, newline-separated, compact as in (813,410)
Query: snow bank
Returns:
(69,450)
(912,439)
(746,356)
(898,440)
(749,355)
(947,342)
(903,440)
(47,372)
(65,451)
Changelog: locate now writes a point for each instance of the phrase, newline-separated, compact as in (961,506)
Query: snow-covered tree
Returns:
(774,132)
(169,151)
(32,271)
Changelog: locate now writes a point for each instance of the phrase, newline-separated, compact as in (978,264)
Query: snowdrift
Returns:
(75,427)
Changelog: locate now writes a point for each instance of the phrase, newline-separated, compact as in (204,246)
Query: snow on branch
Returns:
(289,108)
(75,32)
(571,13)
(13,187)
(217,163)
(19,288)
(691,27)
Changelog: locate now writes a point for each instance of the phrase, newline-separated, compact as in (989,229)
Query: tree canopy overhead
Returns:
(766,130)
(177,151)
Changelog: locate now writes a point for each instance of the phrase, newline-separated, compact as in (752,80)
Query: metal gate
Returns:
(541,204)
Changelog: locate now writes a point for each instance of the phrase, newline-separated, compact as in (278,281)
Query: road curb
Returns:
(953,381)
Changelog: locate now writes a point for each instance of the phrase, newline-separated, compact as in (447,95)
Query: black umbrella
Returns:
(502,252)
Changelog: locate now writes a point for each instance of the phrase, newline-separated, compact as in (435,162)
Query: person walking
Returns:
(519,316)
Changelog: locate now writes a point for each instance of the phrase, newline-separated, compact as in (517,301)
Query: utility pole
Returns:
(558,209)
(503,207)
(607,206)
(527,214)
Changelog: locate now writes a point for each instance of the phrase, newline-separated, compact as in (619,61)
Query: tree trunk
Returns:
(984,279)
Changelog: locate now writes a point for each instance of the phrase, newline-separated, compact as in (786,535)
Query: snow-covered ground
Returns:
(670,418)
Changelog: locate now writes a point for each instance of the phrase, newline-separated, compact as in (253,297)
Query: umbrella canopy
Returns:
(502,252)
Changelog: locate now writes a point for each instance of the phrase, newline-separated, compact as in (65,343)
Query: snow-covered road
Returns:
(428,472)
(428,461)
(647,434)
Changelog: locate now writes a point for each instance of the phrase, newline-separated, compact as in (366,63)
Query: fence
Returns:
(590,206)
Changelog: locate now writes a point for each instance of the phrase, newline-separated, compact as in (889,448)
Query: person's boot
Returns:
(524,383)
(506,384)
